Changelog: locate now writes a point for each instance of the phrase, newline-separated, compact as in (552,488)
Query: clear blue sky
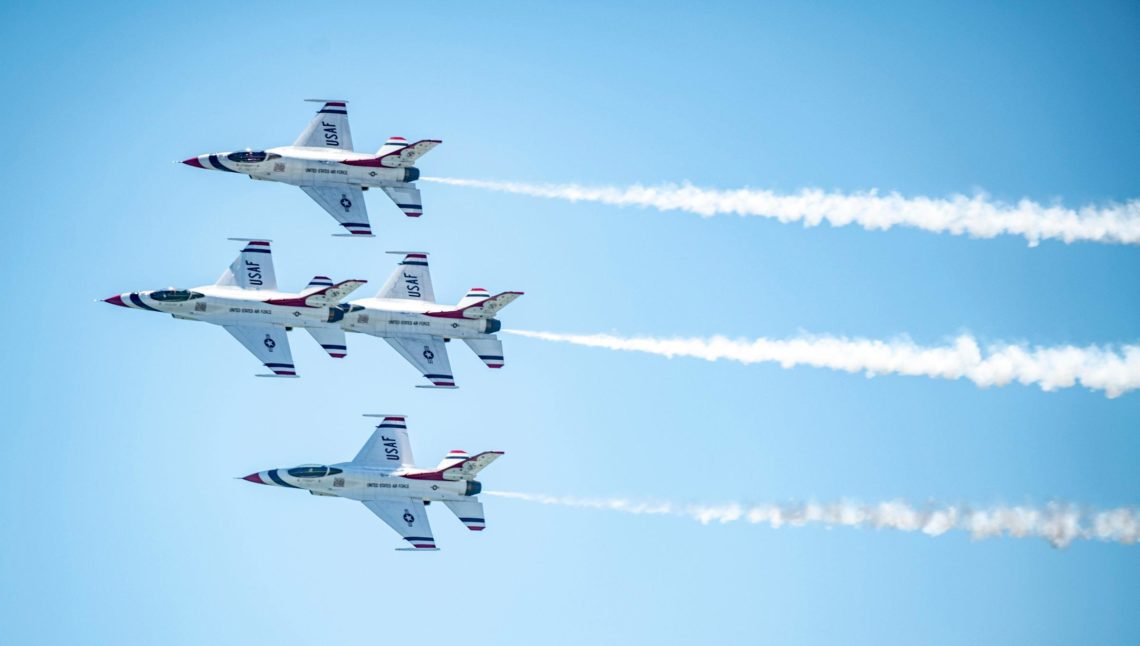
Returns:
(122,521)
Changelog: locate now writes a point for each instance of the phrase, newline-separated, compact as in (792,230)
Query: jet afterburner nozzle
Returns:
(411,174)
(473,488)
(493,326)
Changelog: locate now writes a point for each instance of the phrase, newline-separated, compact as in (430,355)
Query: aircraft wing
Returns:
(411,280)
(269,343)
(408,517)
(328,129)
(407,197)
(388,448)
(345,203)
(252,269)
(428,354)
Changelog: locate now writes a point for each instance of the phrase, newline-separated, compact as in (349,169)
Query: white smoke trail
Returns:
(1115,371)
(1060,524)
(977,216)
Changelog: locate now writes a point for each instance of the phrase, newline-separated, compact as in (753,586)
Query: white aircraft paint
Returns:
(384,477)
(322,163)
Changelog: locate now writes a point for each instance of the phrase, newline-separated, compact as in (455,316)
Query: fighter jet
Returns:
(245,301)
(404,313)
(321,162)
(383,476)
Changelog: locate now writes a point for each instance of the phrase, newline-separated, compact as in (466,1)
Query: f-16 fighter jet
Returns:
(384,478)
(245,301)
(404,313)
(323,164)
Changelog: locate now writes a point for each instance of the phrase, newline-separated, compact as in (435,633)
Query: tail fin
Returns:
(318,282)
(469,512)
(451,459)
(474,295)
(484,309)
(489,350)
(392,145)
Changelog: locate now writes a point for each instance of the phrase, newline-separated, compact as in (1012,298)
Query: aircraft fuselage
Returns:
(390,317)
(232,306)
(356,482)
(301,166)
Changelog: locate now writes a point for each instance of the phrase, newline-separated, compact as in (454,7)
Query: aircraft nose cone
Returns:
(254,478)
(117,299)
(193,161)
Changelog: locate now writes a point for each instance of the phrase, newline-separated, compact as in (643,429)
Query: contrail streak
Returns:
(1115,371)
(1060,524)
(978,216)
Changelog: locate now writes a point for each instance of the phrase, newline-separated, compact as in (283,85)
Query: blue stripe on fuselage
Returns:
(277,479)
(218,165)
(138,302)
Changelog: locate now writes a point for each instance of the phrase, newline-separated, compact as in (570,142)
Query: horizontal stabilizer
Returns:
(322,297)
(489,351)
(470,467)
(407,199)
(329,296)
(402,158)
(469,512)
(484,309)
(332,339)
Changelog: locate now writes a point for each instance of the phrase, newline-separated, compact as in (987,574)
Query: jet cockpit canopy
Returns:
(313,471)
(251,156)
(175,295)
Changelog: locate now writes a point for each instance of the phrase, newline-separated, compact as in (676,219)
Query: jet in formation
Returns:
(245,302)
(322,163)
(384,477)
(404,313)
